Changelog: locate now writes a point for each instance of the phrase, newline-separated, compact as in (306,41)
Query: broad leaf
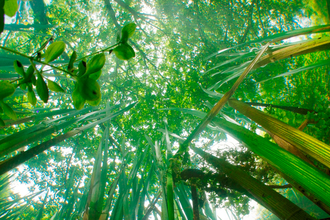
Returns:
(127,32)
(78,100)
(42,89)
(32,97)
(95,64)
(6,89)
(96,75)
(29,75)
(19,68)
(89,89)
(8,110)
(53,86)
(10,7)
(94,103)
(54,51)
(124,52)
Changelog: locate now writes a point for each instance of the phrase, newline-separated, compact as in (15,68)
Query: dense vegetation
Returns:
(121,109)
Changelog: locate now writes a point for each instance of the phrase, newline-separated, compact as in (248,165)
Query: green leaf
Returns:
(31,96)
(124,52)
(10,7)
(22,85)
(82,68)
(6,89)
(8,110)
(127,32)
(78,100)
(94,103)
(53,86)
(96,75)
(42,89)
(18,66)
(72,60)
(54,51)
(89,89)
(2,123)
(29,76)
(95,64)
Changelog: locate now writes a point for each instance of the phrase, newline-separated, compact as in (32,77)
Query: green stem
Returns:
(97,52)
(31,59)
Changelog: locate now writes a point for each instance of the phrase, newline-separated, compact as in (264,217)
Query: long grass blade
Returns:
(215,110)
(311,146)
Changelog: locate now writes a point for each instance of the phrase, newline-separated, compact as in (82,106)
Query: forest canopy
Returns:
(164,109)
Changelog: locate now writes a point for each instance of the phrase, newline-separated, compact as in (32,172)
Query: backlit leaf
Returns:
(82,68)
(42,89)
(96,75)
(127,32)
(8,110)
(124,52)
(10,7)
(18,66)
(53,86)
(72,60)
(6,89)
(90,89)
(95,64)
(78,100)
(31,96)
(94,103)
(54,51)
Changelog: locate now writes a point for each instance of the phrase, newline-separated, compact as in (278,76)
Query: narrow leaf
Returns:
(72,60)
(31,96)
(2,123)
(306,143)
(53,86)
(42,89)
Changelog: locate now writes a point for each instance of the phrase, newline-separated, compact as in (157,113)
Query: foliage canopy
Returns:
(121,109)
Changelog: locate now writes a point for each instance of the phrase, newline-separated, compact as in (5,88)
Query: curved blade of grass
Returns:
(184,200)
(10,144)
(215,110)
(26,155)
(279,37)
(311,179)
(304,47)
(105,212)
(304,68)
(41,116)
(266,196)
(311,146)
